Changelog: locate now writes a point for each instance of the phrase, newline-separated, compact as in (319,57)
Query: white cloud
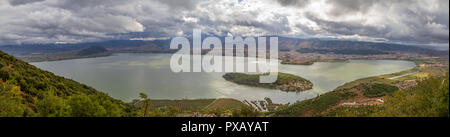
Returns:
(416,21)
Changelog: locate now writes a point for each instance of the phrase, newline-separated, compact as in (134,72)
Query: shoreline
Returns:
(193,99)
(416,62)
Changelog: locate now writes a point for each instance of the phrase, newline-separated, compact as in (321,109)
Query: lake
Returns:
(124,75)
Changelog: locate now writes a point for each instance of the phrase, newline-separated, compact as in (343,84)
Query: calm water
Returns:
(123,76)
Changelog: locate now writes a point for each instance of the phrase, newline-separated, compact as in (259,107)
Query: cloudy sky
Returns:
(50,21)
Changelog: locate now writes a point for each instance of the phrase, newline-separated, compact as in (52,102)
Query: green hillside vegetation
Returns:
(342,51)
(430,98)
(378,90)
(285,82)
(362,111)
(183,105)
(187,107)
(311,107)
(26,91)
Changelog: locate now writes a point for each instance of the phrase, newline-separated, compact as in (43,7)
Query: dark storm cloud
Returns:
(184,4)
(348,28)
(297,3)
(64,21)
(77,5)
(409,21)
(413,26)
(22,2)
(341,7)
(81,4)
(47,21)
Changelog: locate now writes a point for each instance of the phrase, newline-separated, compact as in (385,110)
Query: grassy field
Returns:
(199,105)
(183,105)
(224,104)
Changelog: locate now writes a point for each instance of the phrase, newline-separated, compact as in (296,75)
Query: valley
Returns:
(357,93)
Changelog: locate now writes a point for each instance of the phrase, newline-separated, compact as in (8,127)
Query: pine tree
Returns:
(146,102)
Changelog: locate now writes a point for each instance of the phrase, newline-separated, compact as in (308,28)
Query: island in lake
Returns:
(285,82)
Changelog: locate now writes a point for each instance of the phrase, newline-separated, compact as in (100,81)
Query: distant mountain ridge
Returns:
(52,48)
(92,50)
(296,43)
(285,43)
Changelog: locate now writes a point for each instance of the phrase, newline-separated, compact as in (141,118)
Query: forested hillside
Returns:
(27,91)
(430,98)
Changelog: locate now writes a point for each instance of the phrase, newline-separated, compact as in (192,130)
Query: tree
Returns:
(10,102)
(25,91)
(429,99)
(246,111)
(146,102)
(83,106)
(172,111)
(112,110)
(53,106)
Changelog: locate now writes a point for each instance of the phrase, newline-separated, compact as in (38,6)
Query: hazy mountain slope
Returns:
(321,44)
(284,44)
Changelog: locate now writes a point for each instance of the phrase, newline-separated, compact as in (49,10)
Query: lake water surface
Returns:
(123,76)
